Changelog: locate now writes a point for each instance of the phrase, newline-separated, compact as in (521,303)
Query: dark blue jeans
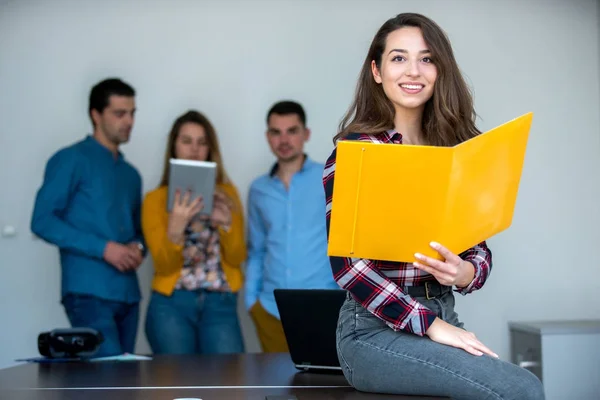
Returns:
(193,322)
(118,322)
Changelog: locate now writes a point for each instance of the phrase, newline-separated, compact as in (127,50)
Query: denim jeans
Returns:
(193,322)
(117,321)
(375,358)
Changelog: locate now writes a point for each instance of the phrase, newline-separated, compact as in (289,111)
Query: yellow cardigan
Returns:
(168,256)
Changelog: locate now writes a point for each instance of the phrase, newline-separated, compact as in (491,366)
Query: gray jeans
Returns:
(374,358)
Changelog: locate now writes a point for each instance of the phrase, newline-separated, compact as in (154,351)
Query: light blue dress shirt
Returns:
(89,197)
(287,236)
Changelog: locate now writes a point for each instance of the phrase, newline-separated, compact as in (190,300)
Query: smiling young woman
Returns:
(397,330)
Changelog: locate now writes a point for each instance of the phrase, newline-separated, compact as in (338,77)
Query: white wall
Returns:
(233,59)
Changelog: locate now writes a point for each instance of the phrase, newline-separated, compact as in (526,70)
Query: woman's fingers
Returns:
(196,206)
(425,268)
(177,197)
(222,207)
(442,277)
(474,346)
(444,252)
(186,198)
(484,349)
(221,197)
(442,332)
(472,350)
(432,263)
(198,199)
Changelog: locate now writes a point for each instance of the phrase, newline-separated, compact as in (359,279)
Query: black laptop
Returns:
(309,318)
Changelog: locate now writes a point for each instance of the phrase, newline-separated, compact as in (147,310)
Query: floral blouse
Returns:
(202,258)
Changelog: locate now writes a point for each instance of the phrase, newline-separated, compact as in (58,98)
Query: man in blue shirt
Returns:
(287,237)
(89,207)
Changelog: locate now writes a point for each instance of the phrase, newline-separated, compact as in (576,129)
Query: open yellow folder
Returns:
(391,201)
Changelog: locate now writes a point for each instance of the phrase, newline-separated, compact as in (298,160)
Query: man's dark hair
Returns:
(287,107)
(101,92)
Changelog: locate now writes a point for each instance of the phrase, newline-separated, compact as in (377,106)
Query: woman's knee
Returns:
(531,387)
(520,384)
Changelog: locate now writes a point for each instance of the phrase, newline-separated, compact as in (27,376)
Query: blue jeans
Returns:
(193,322)
(118,322)
(375,358)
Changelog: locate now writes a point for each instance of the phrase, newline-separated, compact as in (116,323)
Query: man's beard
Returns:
(118,137)
(291,158)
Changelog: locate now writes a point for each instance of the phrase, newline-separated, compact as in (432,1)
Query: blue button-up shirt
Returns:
(88,197)
(287,237)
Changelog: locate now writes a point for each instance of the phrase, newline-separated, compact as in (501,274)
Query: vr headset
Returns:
(69,343)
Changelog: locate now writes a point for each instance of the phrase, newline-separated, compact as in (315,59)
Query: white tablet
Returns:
(199,177)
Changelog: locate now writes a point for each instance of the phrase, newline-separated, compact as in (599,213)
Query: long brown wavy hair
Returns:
(214,152)
(448,117)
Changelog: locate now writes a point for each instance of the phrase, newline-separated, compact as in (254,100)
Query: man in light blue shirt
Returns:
(287,237)
(89,207)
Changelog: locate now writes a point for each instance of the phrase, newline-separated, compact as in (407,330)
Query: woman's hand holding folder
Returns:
(454,271)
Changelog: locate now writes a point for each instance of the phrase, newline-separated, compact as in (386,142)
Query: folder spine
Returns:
(359,179)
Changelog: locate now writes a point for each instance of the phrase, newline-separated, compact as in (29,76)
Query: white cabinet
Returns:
(565,355)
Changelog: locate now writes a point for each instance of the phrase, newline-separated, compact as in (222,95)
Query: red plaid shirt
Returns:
(378,284)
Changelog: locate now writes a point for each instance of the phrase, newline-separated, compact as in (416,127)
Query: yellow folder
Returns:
(391,201)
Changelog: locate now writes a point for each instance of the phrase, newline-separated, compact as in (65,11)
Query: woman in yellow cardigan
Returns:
(193,306)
